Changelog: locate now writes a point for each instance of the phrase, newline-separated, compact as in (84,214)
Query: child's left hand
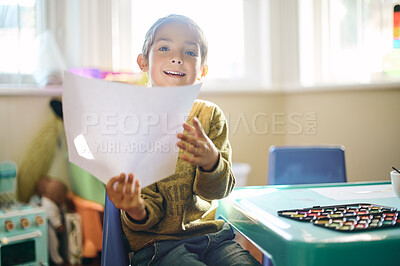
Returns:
(203,151)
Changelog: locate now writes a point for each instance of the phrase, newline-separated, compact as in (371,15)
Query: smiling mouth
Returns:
(174,73)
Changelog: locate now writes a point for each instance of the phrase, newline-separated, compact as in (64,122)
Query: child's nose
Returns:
(177,61)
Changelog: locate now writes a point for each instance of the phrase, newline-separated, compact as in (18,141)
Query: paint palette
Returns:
(347,218)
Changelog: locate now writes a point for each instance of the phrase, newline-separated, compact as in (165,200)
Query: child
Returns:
(172,221)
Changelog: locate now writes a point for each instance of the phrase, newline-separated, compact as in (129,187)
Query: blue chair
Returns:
(115,250)
(306,165)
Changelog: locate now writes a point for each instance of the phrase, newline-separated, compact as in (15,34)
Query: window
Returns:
(224,30)
(234,30)
(18,29)
(255,44)
(345,41)
(109,34)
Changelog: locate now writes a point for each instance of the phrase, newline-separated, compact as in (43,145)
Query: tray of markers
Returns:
(347,218)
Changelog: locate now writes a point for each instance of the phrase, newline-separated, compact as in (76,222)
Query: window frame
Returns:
(256,17)
(320,71)
(40,26)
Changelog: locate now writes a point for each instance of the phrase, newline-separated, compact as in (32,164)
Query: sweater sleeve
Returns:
(154,207)
(220,182)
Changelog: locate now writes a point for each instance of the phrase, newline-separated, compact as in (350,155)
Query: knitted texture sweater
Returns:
(183,205)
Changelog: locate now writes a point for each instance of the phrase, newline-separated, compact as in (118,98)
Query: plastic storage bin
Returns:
(241,172)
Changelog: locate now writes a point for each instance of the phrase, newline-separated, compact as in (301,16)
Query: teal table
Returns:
(253,212)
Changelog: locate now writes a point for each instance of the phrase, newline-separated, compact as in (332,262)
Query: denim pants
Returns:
(210,249)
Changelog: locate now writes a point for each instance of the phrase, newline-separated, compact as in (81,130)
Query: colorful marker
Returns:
(396,27)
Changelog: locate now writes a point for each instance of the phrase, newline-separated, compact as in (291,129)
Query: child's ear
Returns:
(203,72)
(144,66)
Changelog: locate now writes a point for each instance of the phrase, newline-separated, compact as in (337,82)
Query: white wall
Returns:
(365,122)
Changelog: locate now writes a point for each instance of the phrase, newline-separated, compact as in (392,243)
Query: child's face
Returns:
(174,58)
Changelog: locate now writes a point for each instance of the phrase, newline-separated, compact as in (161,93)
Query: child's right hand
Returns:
(123,197)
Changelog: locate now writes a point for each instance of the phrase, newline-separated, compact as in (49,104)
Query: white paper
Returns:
(356,192)
(115,128)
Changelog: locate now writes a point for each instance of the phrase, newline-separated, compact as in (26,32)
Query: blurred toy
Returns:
(139,78)
(39,157)
(132,78)
(64,232)
(53,199)
(73,226)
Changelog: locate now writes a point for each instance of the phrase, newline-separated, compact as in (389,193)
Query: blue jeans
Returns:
(210,249)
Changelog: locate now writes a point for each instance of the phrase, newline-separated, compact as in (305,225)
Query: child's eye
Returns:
(191,53)
(163,48)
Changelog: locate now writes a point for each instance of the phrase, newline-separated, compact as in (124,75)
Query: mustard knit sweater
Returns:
(182,205)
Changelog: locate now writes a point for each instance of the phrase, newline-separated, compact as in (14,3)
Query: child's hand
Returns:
(203,151)
(123,197)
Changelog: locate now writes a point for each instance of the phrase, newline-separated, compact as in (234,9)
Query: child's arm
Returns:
(212,154)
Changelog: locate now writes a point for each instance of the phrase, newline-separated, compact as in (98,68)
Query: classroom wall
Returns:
(21,117)
(364,121)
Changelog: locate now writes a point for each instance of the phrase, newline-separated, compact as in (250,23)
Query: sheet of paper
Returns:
(115,128)
(356,192)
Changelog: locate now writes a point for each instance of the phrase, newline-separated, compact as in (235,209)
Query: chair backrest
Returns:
(115,250)
(306,165)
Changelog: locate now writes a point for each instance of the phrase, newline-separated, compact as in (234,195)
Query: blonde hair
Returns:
(151,33)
